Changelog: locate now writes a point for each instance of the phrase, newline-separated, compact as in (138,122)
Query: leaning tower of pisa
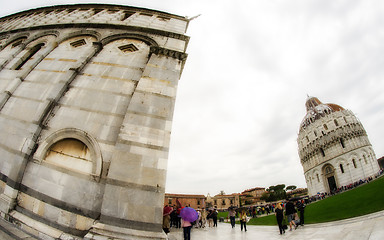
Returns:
(87,94)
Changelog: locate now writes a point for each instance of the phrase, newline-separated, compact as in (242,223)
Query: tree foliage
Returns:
(276,193)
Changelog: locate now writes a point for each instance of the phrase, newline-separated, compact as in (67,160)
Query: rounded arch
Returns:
(90,33)
(76,134)
(330,180)
(41,35)
(14,39)
(149,41)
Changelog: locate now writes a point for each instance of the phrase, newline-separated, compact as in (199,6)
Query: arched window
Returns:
(328,170)
(322,152)
(71,149)
(341,168)
(325,126)
(72,154)
(29,55)
(336,123)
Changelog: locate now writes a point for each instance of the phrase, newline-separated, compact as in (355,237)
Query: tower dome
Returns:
(333,147)
(316,109)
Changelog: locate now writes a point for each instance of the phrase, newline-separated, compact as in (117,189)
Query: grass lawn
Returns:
(363,200)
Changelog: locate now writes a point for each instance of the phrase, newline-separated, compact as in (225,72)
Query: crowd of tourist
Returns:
(289,213)
(207,218)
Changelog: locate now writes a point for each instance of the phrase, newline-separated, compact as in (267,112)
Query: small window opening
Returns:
(345,119)
(336,123)
(318,179)
(354,163)
(127,15)
(170,201)
(315,133)
(96,11)
(328,170)
(30,54)
(17,43)
(198,202)
(322,152)
(325,126)
(341,168)
(342,142)
(78,43)
(128,48)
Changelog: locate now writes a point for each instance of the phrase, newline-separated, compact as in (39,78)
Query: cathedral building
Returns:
(334,148)
(87,94)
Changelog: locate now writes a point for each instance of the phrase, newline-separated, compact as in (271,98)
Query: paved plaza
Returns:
(369,227)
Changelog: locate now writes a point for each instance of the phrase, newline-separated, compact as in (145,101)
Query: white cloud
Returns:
(242,93)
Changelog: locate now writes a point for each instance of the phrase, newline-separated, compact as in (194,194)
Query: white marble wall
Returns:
(119,103)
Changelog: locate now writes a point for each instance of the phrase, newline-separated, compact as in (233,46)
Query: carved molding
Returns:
(168,53)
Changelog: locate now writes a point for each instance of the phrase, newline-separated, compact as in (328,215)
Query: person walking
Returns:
(232,216)
(186,229)
(301,206)
(166,223)
(203,218)
(210,218)
(214,216)
(290,213)
(279,217)
(243,220)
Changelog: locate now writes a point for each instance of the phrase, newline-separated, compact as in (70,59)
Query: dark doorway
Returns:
(332,183)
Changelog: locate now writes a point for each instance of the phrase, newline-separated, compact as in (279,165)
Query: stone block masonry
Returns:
(87,95)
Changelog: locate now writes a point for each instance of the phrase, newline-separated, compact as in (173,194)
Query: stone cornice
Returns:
(102,26)
(168,52)
(93,6)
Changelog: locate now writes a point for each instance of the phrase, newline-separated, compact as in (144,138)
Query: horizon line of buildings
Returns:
(249,197)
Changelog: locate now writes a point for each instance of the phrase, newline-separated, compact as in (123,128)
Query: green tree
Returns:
(276,193)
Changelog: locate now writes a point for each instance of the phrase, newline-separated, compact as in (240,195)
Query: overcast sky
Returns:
(250,67)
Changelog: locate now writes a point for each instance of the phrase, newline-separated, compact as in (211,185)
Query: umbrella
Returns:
(189,214)
(167,210)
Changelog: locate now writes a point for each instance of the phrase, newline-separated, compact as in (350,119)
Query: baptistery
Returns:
(334,148)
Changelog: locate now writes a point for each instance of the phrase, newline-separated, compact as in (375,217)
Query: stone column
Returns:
(134,193)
